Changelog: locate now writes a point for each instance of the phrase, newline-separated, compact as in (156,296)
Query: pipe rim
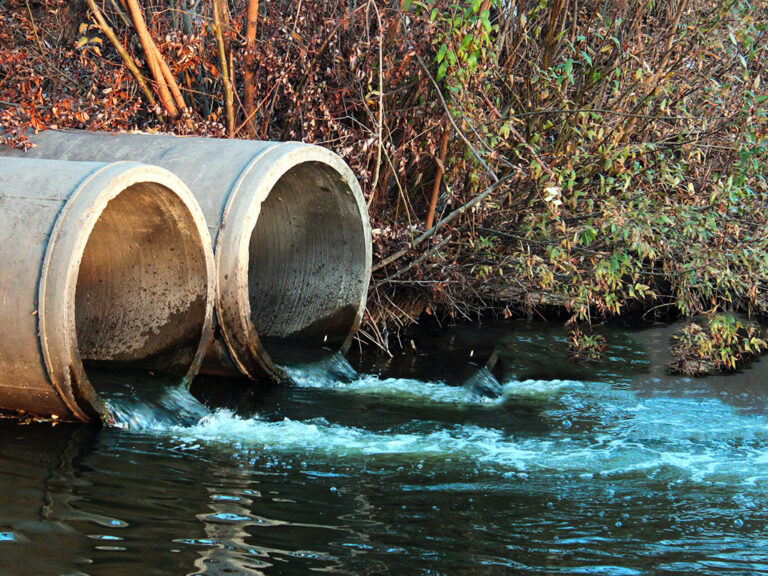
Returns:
(60,270)
(232,253)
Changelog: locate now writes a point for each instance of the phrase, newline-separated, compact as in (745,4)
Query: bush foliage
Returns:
(720,343)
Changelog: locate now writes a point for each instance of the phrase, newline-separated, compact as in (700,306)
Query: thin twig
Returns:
(119,12)
(610,112)
(447,220)
(380,119)
(42,48)
(472,149)
(417,261)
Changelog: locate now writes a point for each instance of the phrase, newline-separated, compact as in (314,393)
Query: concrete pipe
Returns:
(101,264)
(291,232)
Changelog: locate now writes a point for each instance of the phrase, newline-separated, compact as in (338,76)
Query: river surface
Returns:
(425,464)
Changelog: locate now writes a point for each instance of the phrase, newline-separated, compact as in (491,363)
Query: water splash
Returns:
(333,372)
(145,401)
(482,385)
(320,437)
(174,406)
(318,369)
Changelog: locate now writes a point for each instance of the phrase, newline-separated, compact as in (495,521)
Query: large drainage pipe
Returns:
(101,263)
(291,236)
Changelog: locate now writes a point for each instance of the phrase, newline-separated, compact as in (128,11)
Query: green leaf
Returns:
(485,21)
(442,69)
(441,53)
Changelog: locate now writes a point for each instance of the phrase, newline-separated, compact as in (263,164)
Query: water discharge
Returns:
(145,401)
(332,371)
(681,439)
(616,432)
(608,469)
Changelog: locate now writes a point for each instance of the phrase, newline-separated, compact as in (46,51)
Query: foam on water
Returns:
(539,389)
(413,391)
(613,453)
(595,472)
(685,438)
(334,372)
(409,391)
(318,436)
(482,388)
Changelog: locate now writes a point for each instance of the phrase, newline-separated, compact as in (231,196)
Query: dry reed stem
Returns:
(127,59)
(249,77)
(218,11)
(152,54)
(438,179)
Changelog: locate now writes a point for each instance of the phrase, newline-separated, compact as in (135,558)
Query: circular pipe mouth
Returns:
(296,239)
(128,283)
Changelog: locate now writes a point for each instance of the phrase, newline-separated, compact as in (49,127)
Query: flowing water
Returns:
(427,464)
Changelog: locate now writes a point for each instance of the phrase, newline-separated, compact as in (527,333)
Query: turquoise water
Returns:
(409,466)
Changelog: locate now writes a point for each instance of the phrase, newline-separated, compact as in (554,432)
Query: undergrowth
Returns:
(720,343)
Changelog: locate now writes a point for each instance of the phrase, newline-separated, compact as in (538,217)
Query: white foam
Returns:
(543,389)
(616,433)
(407,390)
(318,436)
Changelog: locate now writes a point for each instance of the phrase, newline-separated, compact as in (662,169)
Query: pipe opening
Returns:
(141,285)
(307,259)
